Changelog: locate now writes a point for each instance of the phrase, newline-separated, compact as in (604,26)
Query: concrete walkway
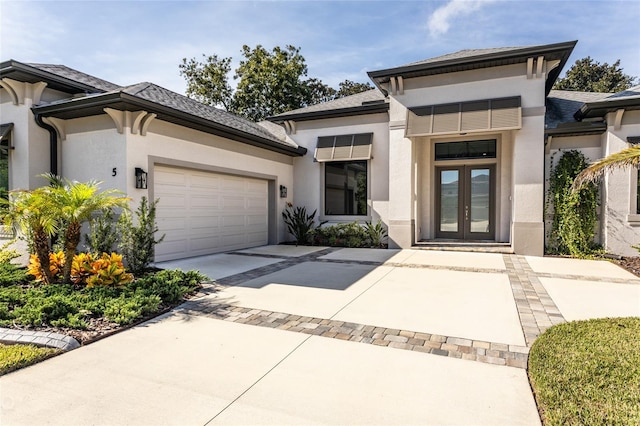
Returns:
(305,335)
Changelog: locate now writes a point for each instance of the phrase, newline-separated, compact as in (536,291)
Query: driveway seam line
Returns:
(257,381)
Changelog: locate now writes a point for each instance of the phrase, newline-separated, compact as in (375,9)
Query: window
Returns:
(5,146)
(345,188)
(466,150)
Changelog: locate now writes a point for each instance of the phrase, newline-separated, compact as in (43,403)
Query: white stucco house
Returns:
(453,149)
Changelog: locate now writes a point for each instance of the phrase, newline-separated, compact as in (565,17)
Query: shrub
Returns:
(299,223)
(12,274)
(57,310)
(137,242)
(7,254)
(82,267)
(341,235)
(170,285)
(56,264)
(102,236)
(108,270)
(574,212)
(124,310)
(377,234)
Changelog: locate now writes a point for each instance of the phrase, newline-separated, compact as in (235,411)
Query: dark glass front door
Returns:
(465,202)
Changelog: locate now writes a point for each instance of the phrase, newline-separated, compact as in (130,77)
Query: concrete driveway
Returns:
(309,335)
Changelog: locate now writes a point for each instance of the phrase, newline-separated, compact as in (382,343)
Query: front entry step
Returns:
(466,246)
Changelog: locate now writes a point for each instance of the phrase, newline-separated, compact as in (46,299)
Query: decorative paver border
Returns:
(453,347)
(38,338)
(536,309)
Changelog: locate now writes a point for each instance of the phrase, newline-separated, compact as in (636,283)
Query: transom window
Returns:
(345,188)
(466,150)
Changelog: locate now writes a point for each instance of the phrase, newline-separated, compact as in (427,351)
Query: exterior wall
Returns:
(309,174)
(520,177)
(30,157)
(93,149)
(621,224)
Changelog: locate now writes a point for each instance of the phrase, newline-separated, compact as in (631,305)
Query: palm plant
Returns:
(629,157)
(76,202)
(35,213)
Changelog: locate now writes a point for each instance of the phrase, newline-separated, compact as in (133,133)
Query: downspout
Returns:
(53,144)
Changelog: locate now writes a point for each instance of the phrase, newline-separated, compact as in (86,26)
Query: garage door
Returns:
(202,213)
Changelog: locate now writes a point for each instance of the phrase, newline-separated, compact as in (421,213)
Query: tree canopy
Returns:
(587,75)
(269,82)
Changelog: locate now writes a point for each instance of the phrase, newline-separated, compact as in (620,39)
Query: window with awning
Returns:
(344,147)
(465,117)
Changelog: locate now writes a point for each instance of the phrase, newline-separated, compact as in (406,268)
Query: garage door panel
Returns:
(203,212)
(204,201)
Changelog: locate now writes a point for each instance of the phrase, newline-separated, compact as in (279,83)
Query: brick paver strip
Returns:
(453,347)
(536,309)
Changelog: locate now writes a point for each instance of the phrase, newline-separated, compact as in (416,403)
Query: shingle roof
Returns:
(71,74)
(563,104)
(629,93)
(160,95)
(369,97)
(466,54)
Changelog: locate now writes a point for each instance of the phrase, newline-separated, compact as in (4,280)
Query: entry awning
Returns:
(344,147)
(465,117)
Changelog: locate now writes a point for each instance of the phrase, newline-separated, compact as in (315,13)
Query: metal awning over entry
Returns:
(344,147)
(465,117)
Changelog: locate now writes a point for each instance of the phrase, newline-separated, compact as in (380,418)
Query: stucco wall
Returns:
(621,224)
(520,162)
(30,157)
(309,174)
(93,148)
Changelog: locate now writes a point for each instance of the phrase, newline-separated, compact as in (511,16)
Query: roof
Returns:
(471,59)
(58,77)
(368,102)
(172,107)
(562,104)
(168,105)
(627,99)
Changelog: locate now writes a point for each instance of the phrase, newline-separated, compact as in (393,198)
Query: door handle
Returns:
(466,213)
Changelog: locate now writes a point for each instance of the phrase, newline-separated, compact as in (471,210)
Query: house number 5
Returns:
(114,172)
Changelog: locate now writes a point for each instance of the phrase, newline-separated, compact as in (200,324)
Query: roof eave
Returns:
(577,129)
(441,67)
(118,100)
(333,113)
(54,81)
(601,108)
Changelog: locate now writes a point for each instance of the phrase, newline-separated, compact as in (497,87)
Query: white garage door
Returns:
(202,213)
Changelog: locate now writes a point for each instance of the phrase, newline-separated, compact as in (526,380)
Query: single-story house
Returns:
(455,148)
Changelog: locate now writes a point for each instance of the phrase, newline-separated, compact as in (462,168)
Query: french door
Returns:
(465,202)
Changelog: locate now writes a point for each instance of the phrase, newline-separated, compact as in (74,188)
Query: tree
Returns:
(587,75)
(629,157)
(75,203)
(269,82)
(207,80)
(348,88)
(35,213)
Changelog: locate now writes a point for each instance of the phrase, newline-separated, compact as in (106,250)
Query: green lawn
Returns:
(588,372)
(13,357)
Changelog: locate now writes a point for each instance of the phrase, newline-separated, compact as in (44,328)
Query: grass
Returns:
(588,372)
(13,357)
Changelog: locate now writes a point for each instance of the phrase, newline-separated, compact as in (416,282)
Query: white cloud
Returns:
(440,20)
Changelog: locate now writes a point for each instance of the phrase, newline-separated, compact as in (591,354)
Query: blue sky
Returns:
(133,41)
